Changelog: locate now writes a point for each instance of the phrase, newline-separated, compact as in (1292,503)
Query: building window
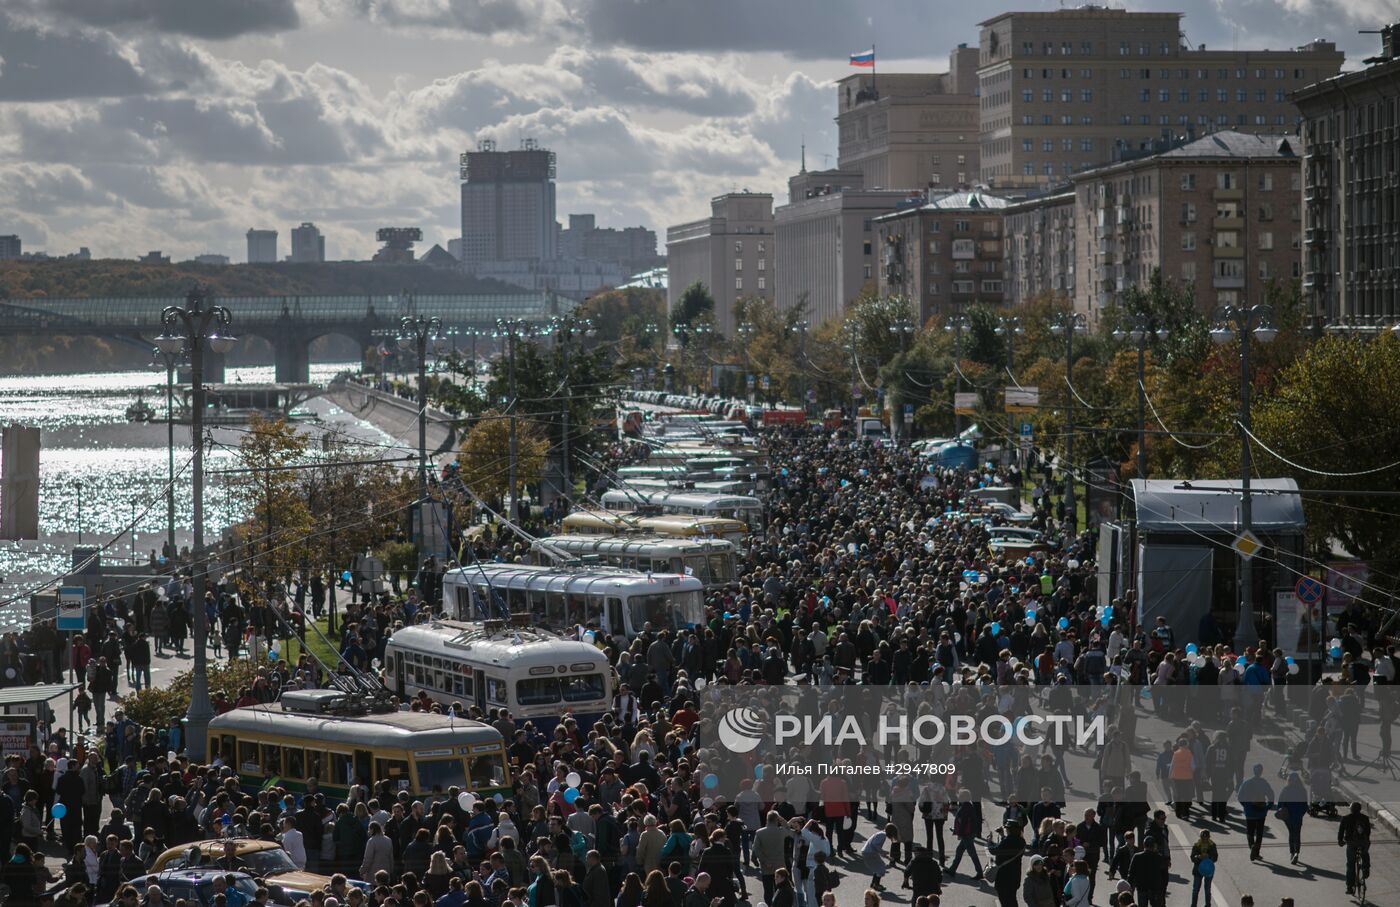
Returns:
(1026,95)
(1222,94)
(1048,95)
(962,226)
(1086,48)
(962,267)
(1265,272)
(738,264)
(1188,271)
(1188,212)
(1047,145)
(1066,96)
(760,246)
(1123,49)
(761,263)
(1028,169)
(1164,95)
(935,178)
(738,247)
(1027,144)
(935,226)
(1266,182)
(991,286)
(1266,212)
(1145,94)
(1188,181)
(1295,181)
(1226,180)
(1028,47)
(1203,95)
(1086,121)
(1242,95)
(866,249)
(963,286)
(1086,144)
(1067,144)
(763,281)
(1188,241)
(933,289)
(738,283)
(1266,241)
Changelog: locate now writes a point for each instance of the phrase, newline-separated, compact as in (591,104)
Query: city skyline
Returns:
(151,125)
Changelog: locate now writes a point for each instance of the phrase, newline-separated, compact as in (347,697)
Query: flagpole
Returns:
(874,75)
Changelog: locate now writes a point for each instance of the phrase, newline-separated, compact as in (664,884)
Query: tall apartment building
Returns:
(308,245)
(10,247)
(729,252)
(262,246)
(508,206)
(631,248)
(911,131)
(1062,89)
(1222,213)
(945,254)
(1351,171)
(1040,250)
(825,239)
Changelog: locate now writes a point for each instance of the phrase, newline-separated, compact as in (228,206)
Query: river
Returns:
(100,473)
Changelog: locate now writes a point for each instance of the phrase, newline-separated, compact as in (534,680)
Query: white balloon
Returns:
(171,756)
(1293,669)
(10,673)
(465,800)
(573,779)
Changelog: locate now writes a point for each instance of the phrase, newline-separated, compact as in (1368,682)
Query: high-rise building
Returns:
(631,248)
(1040,252)
(307,243)
(825,241)
(508,206)
(729,253)
(1351,168)
(1221,214)
(944,254)
(1062,89)
(262,246)
(911,130)
(10,246)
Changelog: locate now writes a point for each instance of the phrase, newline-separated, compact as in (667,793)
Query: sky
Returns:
(132,125)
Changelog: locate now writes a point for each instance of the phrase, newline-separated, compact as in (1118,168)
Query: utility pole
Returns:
(956,325)
(1067,325)
(567,329)
(1232,321)
(1140,332)
(1010,328)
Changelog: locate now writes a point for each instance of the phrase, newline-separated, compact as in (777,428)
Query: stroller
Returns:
(1322,797)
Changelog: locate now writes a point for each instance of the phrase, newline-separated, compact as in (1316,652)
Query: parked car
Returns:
(262,859)
(196,886)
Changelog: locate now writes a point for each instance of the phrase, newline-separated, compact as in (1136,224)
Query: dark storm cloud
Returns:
(212,19)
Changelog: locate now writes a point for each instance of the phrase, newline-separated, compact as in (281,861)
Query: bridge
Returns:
(288,323)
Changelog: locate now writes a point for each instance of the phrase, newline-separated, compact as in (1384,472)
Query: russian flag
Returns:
(867,58)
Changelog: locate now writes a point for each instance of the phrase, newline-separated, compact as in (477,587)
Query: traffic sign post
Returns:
(1247,544)
(72,608)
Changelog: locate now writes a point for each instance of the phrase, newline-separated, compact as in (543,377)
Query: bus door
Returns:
(613,622)
(481,681)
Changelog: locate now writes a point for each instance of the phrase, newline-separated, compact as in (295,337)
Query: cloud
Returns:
(492,18)
(211,19)
(43,64)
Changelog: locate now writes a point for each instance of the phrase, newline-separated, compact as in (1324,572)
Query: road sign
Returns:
(1027,430)
(1247,544)
(965,403)
(72,608)
(1309,590)
(1022,399)
(908,413)
(811,395)
(748,379)
(765,382)
(856,392)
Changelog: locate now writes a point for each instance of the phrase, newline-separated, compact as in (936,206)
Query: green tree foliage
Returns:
(1336,409)
(484,457)
(695,304)
(279,516)
(158,706)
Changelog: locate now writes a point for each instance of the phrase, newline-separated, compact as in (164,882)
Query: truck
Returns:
(872,429)
(784,417)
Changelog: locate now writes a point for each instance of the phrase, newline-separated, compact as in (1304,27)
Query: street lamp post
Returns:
(1010,328)
(416,333)
(1066,325)
(955,325)
(197,329)
(78,483)
(510,329)
(1230,322)
(746,330)
(800,328)
(170,360)
(1140,332)
(566,330)
(903,329)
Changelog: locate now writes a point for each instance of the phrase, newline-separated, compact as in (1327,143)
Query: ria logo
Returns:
(740,730)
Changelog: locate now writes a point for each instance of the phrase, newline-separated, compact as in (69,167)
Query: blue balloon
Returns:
(273,654)
(58,810)
(345,575)
(1288,660)
(1108,610)
(1030,561)
(1105,621)
(1335,652)
(712,781)
(758,770)
(996,628)
(1064,623)
(226,819)
(1030,612)
(570,794)
(1191,648)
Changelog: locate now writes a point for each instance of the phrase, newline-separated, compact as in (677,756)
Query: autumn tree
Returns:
(484,457)
(267,487)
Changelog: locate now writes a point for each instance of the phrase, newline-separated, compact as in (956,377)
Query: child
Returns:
(83,703)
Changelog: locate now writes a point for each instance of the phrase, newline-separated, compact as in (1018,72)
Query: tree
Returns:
(695,304)
(484,457)
(1331,425)
(279,519)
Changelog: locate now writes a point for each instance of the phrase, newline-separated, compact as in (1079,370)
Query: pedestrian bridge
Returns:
(289,323)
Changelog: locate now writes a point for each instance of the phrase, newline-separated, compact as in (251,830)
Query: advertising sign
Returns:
(72,608)
(1022,399)
(965,403)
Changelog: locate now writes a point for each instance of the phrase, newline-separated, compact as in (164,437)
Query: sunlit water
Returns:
(100,473)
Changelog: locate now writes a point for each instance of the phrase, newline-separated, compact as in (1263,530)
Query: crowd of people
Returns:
(871,570)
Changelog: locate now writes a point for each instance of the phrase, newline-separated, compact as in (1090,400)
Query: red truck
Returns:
(784,417)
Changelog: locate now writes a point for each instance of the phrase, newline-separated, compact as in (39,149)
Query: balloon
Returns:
(1105,621)
(1108,610)
(1292,668)
(712,781)
(1030,621)
(1030,612)
(10,673)
(1239,667)
(844,483)
(758,770)
(465,800)
(345,575)
(1191,648)
(273,654)
(1063,624)
(58,810)
(226,819)
(707,802)
(996,628)
(1335,651)
(1288,660)
(1030,561)
(573,779)
(498,797)
(171,756)
(570,794)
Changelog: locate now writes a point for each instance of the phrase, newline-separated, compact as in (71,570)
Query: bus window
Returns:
(394,771)
(271,759)
(720,569)
(464,601)
(340,770)
(672,566)
(495,689)
(293,763)
(440,774)
(556,609)
(248,757)
(537,691)
(698,567)
(518,602)
(537,601)
(577,612)
(614,616)
(316,765)
(582,687)
(488,771)
(222,747)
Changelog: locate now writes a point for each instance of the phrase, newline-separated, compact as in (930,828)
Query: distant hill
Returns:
(24,279)
(27,279)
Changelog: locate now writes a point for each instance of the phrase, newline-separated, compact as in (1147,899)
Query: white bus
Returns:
(744,508)
(712,561)
(535,673)
(618,603)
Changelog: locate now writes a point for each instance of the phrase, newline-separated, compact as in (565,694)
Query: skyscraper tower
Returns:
(508,211)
